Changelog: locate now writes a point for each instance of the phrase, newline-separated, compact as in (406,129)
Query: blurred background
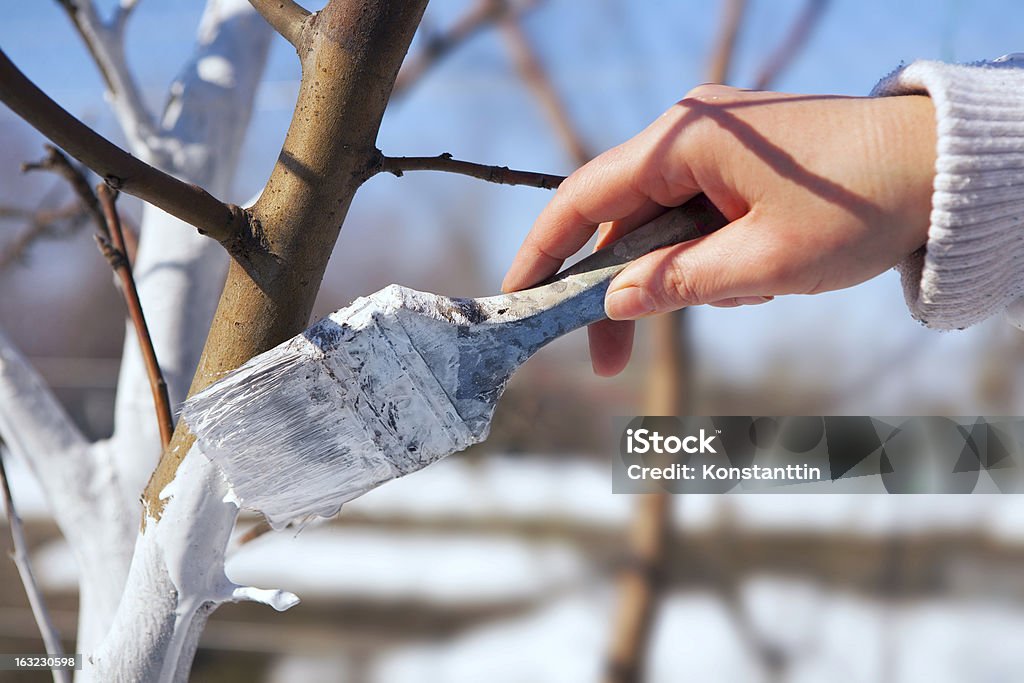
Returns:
(513,561)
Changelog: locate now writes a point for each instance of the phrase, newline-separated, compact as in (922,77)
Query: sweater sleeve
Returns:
(973,263)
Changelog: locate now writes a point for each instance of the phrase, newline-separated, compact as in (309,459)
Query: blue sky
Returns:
(619,63)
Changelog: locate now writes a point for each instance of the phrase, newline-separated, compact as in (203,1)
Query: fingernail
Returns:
(753,300)
(628,303)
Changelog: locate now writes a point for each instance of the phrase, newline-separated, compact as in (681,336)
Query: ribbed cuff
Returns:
(973,263)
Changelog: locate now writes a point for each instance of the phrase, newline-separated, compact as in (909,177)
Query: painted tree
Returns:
(145,594)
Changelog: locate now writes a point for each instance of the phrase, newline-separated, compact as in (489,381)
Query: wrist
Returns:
(907,152)
(971,267)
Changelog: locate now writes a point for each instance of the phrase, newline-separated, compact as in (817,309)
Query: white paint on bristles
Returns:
(328,415)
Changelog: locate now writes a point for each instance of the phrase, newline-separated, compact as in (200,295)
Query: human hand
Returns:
(821,193)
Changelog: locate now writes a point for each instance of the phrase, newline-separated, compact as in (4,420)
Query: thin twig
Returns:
(41,223)
(51,638)
(790,47)
(492,174)
(55,162)
(190,203)
(436,46)
(725,45)
(255,531)
(536,78)
(122,12)
(44,222)
(105,43)
(286,17)
(115,252)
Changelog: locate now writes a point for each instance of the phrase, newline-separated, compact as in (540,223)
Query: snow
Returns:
(579,490)
(822,633)
(838,637)
(517,488)
(375,564)
(457,567)
(557,643)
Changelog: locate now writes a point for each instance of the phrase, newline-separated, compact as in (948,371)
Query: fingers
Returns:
(609,232)
(741,301)
(736,265)
(602,190)
(615,185)
(611,343)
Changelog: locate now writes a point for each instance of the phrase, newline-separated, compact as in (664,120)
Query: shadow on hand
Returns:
(776,158)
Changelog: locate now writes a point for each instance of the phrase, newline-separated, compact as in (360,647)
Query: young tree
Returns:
(146,592)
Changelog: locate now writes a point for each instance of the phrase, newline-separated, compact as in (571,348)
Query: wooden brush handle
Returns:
(693,219)
(575,297)
(531,318)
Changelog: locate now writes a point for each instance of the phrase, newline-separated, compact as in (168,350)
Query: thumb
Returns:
(736,261)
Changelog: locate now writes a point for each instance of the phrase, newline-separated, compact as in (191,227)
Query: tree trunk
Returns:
(350,55)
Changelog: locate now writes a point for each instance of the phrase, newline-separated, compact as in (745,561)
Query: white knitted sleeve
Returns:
(973,263)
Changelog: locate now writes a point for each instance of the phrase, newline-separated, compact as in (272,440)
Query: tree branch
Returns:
(348,74)
(180,274)
(437,46)
(79,486)
(41,223)
(286,17)
(790,47)
(51,638)
(105,42)
(123,10)
(536,78)
(31,418)
(112,246)
(444,162)
(252,533)
(55,162)
(192,204)
(725,45)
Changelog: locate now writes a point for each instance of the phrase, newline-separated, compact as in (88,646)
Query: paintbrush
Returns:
(396,381)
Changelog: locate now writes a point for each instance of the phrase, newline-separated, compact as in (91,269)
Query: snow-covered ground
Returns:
(821,633)
(819,637)
(579,490)
(326,559)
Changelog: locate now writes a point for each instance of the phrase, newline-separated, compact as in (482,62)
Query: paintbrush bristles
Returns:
(328,415)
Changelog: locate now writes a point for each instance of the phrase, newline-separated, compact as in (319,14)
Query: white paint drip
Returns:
(328,415)
(196,516)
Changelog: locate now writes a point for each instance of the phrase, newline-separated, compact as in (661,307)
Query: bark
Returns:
(350,57)
(180,274)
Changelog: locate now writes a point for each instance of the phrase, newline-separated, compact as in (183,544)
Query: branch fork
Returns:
(286,17)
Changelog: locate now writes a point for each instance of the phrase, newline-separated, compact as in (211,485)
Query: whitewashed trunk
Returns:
(145,595)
